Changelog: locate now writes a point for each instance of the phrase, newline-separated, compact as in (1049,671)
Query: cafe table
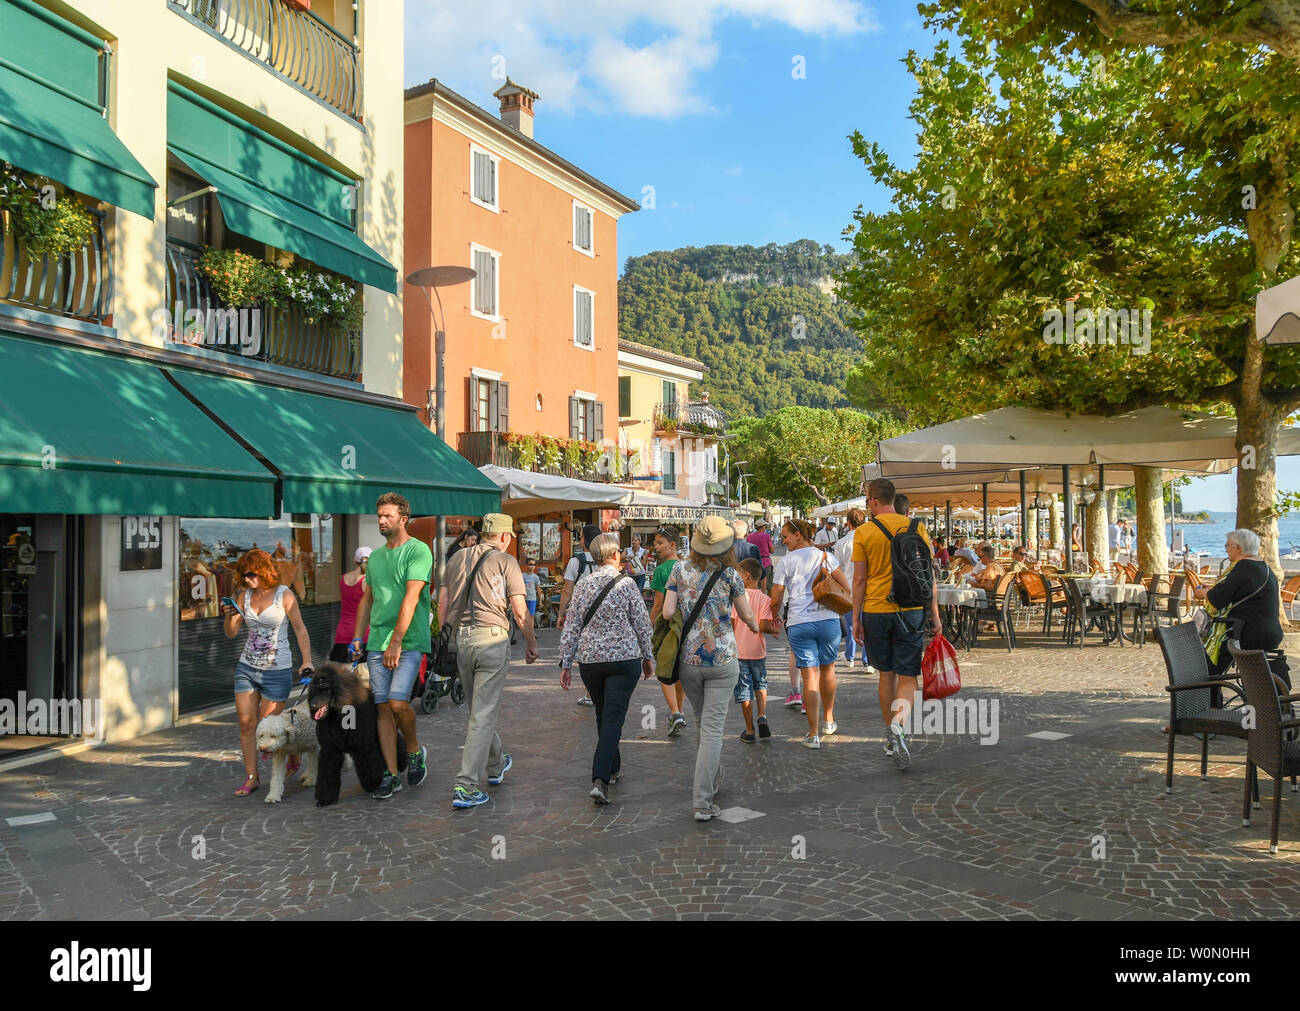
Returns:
(961,603)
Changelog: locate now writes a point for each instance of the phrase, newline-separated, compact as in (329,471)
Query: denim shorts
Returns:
(272,685)
(895,641)
(398,683)
(532,606)
(814,643)
(752,679)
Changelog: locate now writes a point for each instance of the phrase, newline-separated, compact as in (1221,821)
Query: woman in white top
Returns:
(812,630)
(635,560)
(265,669)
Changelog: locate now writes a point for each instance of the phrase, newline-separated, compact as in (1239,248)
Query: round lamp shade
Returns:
(440,277)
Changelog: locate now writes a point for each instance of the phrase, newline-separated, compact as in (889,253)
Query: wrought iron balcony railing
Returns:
(296,44)
(690,416)
(277,335)
(74,284)
(483,448)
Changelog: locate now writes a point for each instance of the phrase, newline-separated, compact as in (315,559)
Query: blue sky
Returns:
(698,99)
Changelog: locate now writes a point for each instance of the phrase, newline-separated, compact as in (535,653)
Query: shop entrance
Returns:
(39,673)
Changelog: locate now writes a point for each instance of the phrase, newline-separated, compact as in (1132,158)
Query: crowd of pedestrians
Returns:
(702,633)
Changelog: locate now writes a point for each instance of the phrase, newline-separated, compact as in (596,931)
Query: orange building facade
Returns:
(532,341)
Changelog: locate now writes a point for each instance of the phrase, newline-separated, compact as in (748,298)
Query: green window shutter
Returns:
(624,396)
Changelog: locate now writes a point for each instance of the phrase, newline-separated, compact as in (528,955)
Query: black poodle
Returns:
(347,723)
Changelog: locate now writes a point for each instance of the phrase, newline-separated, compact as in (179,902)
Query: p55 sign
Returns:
(141,543)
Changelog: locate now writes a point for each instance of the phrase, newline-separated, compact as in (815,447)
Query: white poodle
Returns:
(291,732)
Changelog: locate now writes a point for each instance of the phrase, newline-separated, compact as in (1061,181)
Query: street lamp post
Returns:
(425,279)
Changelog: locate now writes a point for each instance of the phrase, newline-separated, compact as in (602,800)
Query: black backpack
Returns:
(909,555)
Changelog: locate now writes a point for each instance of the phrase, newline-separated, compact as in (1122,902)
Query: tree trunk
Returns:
(1149,502)
(1098,541)
(1054,523)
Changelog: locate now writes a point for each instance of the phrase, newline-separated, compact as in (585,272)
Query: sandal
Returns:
(250,785)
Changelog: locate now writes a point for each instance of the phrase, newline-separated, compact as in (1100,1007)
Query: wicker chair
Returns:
(960,566)
(1081,616)
(1043,591)
(998,610)
(1289,591)
(1166,605)
(1267,746)
(1190,712)
(1095,566)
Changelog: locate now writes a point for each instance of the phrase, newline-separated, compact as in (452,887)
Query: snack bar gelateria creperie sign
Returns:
(673,514)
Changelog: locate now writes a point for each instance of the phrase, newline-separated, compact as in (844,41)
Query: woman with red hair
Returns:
(265,670)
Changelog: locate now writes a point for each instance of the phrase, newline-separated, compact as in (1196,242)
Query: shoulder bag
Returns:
(444,660)
(600,599)
(827,592)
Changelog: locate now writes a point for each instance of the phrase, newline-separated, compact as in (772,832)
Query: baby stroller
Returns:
(438,674)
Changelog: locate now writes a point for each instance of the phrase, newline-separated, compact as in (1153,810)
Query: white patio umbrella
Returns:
(1277,313)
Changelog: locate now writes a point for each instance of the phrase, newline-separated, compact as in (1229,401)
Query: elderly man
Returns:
(1020,560)
(481,583)
(986,578)
(742,547)
(963,551)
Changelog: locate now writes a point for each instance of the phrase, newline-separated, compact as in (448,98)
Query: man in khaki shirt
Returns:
(482,628)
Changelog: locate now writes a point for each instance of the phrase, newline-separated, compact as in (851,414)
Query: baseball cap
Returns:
(361,554)
(497,523)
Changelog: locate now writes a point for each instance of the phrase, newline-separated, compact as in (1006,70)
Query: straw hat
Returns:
(713,536)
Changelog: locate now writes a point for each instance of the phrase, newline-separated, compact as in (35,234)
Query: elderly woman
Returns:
(1248,596)
(264,672)
(710,661)
(609,635)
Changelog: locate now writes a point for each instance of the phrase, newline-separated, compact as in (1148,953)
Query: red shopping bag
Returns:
(939,670)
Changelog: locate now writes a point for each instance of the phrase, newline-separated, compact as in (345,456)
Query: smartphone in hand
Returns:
(230,602)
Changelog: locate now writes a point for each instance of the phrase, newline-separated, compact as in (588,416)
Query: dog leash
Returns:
(305,680)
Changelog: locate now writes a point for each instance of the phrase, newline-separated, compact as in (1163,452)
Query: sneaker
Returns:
(705,814)
(499,778)
(468,798)
(748,736)
(388,786)
(791,700)
(829,729)
(676,724)
(809,741)
(613,780)
(585,701)
(416,770)
(598,793)
(902,757)
(802,711)
(764,731)
(889,744)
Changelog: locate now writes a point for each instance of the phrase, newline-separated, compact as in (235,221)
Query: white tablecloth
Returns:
(960,596)
(1110,593)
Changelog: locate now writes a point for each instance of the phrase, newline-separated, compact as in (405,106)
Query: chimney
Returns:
(516,106)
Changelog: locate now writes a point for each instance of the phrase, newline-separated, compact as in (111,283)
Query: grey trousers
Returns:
(482,659)
(709,690)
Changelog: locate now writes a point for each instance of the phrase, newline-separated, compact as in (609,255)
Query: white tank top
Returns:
(267,647)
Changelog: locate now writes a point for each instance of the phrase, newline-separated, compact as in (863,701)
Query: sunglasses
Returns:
(249,576)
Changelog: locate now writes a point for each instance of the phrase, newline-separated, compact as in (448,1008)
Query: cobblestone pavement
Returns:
(1027,828)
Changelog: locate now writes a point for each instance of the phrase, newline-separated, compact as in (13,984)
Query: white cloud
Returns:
(581,54)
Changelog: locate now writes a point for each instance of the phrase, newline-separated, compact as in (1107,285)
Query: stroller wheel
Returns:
(458,692)
(429,702)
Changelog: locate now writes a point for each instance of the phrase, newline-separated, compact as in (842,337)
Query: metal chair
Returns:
(1267,746)
(1082,616)
(1160,605)
(1042,591)
(1190,711)
(998,610)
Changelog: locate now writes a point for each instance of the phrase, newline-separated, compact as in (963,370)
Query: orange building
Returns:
(532,341)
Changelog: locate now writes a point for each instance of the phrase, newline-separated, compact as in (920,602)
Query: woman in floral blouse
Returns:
(710,664)
(611,648)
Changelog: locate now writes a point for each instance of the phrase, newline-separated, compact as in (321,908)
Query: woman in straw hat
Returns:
(709,661)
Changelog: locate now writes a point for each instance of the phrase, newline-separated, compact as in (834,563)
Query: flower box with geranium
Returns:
(238,279)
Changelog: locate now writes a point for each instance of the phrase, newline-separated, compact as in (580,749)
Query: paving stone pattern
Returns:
(151,829)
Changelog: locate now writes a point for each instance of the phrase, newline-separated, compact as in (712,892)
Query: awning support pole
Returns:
(1069,518)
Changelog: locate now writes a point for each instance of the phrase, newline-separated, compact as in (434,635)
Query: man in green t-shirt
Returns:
(665,544)
(396,605)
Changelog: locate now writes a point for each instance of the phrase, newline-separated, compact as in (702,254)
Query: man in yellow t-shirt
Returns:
(894,637)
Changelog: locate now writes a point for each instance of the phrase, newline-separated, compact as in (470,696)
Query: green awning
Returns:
(337,455)
(91,433)
(270,192)
(51,123)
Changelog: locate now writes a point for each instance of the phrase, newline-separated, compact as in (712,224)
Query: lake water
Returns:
(1207,538)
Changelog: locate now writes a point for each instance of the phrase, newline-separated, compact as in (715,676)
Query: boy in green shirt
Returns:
(665,544)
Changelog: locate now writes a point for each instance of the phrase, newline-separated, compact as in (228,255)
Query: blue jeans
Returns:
(814,643)
(846,630)
(752,679)
(398,683)
(610,686)
(272,685)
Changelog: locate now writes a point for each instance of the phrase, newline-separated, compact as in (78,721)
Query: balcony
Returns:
(282,336)
(74,284)
(565,459)
(295,44)
(698,417)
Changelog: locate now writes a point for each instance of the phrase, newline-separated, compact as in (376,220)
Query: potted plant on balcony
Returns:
(589,455)
(324,297)
(551,452)
(238,279)
(45,222)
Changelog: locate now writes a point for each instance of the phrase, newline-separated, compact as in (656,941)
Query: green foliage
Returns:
(808,456)
(758,317)
(45,222)
(239,279)
(323,296)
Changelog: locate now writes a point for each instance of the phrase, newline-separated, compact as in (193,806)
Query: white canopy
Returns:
(1021,437)
(528,493)
(1277,313)
(840,508)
